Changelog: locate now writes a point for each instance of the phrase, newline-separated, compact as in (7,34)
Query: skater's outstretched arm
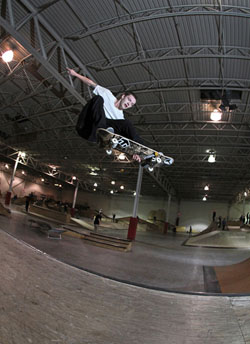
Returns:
(84,79)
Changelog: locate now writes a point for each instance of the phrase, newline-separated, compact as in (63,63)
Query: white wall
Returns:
(197,214)
(22,187)
(121,205)
(236,210)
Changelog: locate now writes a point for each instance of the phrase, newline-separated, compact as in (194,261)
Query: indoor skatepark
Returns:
(159,274)
(38,294)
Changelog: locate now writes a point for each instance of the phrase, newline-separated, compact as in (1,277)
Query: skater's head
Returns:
(126,100)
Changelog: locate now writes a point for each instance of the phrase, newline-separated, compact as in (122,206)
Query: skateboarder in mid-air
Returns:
(104,110)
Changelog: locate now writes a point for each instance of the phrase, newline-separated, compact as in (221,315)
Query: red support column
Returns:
(72,212)
(132,228)
(165,228)
(7,198)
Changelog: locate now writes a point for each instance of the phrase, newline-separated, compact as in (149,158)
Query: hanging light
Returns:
(95,185)
(113,182)
(122,156)
(204,198)
(206,187)
(211,158)
(122,187)
(7,56)
(215,115)
(22,154)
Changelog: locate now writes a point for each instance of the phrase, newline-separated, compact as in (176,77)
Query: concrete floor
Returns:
(44,301)
(156,261)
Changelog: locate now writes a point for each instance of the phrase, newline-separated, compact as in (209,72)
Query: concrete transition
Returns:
(221,239)
(45,301)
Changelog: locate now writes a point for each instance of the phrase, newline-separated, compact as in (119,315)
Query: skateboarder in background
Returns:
(104,110)
(97,220)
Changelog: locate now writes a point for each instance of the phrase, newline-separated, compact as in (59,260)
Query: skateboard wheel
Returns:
(114,142)
(168,161)
(158,160)
(150,169)
(109,151)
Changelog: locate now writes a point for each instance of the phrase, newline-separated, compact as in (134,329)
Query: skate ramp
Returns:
(4,211)
(45,301)
(88,224)
(83,223)
(222,239)
(234,278)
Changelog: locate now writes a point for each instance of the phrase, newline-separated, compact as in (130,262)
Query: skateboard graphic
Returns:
(149,157)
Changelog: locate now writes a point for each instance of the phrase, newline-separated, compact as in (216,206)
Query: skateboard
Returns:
(149,157)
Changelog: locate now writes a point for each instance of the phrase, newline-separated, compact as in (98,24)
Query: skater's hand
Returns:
(71,72)
(136,157)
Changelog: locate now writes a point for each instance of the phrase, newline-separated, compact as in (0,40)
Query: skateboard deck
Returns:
(149,157)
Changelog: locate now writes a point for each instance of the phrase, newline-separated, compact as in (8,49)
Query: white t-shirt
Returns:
(110,110)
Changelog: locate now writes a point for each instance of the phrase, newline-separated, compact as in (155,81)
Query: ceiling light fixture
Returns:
(7,56)
(206,187)
(212,156)
(204,198)
(122,156)
(215,115)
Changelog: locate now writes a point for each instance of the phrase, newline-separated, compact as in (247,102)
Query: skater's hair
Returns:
(126,93)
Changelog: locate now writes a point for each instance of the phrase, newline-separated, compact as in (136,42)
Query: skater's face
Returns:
(127,102)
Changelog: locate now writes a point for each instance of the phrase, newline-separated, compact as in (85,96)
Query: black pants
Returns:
(93,117)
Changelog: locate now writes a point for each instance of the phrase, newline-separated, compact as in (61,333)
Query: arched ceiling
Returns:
(170,53)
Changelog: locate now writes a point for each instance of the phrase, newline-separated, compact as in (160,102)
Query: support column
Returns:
(133,220)
(244,205)
(228,210)
(8,193)
(74,199)
(167,215)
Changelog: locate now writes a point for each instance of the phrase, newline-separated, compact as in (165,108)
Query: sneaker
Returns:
(110,129)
